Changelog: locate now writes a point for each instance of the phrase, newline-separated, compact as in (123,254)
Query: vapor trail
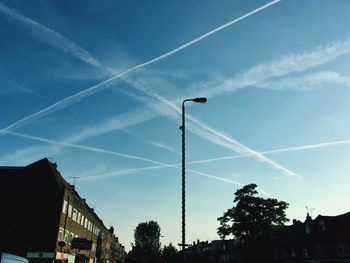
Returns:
(219,138)
(111,81)
(123,172)
(281,150)
(84,147)
(236,146)
(51,37)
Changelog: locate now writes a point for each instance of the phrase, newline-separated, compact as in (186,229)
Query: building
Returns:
(45,219)
(323,239)
(217,251)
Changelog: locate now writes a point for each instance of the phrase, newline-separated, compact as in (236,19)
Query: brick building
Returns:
(42,214)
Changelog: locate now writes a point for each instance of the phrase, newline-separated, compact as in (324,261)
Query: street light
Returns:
(197,100)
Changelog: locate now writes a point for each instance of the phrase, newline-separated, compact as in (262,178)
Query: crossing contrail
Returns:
(230,142)
(219,138)
(281,150)
(111,81)
(124,172)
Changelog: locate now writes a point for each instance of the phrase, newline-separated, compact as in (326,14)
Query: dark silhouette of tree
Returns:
(253,221)
(170,254)
(147,243)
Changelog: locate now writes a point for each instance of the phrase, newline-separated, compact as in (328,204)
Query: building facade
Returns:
(44,215)
(325,239)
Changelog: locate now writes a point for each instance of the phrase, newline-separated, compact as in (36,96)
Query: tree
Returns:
(253,221)
(169,254)
(147,242)
(253,216)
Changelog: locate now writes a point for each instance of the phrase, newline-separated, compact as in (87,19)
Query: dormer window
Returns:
(322,226)
(307,228)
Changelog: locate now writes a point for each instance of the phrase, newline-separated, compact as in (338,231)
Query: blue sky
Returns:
(97,87)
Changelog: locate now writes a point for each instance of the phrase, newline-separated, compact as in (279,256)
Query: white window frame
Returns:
(66,236)
(70,208)
(78,217)
(60,234)
(74,214)
(65,206)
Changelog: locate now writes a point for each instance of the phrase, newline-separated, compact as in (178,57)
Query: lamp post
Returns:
(183,244)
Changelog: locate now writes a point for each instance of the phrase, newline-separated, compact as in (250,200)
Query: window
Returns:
(78,218)
(293,253)
(64,208)
(70,237)
(86,223)
(343,250)
(307,228)
(322,226)
(75,213)
(60,234)
(66,236)
(70,208)
(82,220)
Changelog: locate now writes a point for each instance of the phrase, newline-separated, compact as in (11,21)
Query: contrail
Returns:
(77,97)
(51,37)
(228,141)
(84,147)
(281,150)
(98,150)
(111,81)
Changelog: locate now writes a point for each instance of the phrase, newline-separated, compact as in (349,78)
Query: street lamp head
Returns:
(200,100)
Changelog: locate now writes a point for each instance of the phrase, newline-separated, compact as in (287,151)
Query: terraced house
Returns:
(46,220)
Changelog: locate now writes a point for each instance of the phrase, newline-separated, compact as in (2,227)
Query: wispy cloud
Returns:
(263,75)
(254,76)
(117,122)
(68,45)
(30,154)
(307,82)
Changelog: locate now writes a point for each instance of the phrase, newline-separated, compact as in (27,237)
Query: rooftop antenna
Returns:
(311,209)
(74,179)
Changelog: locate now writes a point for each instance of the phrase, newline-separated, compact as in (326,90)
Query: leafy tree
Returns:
(147,242)
(169,254)
(253,221)
(252,217)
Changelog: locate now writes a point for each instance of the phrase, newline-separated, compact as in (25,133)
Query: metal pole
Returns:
(183,183)
(197,100)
